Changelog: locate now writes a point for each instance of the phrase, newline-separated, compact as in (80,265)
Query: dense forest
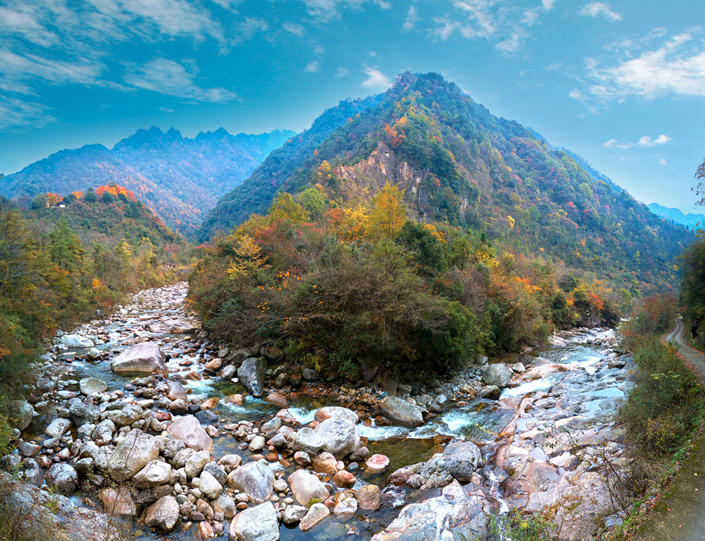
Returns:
(344,288)
(69,256)
(461,166)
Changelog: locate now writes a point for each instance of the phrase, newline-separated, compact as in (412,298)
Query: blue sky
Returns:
(622,83)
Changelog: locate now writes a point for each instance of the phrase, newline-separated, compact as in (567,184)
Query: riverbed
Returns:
(542,437)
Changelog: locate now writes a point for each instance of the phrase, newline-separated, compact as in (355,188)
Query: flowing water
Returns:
(477,420)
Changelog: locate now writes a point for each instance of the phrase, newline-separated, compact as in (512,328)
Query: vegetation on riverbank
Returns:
(49,278)
(342,288)
(663,413)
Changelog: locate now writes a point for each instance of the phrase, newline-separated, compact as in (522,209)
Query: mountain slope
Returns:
(690,220)
(179,178)
(461,165)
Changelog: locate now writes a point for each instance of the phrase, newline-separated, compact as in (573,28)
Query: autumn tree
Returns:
(388,213)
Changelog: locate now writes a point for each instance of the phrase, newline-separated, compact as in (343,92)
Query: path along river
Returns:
(532,435)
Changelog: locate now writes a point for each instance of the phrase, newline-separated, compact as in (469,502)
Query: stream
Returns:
(542,436)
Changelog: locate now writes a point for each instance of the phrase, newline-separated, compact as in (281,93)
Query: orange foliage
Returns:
(54,198)
(79,195)
(395,139)
(115,189)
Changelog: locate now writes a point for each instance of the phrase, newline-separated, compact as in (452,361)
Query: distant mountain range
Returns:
(461,165)
(675,215)
(179,178)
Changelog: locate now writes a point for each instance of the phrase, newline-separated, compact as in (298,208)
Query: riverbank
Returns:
(209,434)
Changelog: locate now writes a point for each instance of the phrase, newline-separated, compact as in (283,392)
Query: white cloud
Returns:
(342,72)
(319,50)
(24,21)
(511,45)
(671,69)
(411,19)
(17,71)
(663,161)
(313,67)
(548,4)
(383,4)
(376,80)
(15,113)
(644,142)
(594,9)
(173,79)
(294,29)
(248,28)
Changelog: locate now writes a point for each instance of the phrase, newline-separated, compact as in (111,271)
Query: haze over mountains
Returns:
(178,178)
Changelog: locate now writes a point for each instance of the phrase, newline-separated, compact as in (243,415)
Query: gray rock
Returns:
(346,509)
(255,479)
(217,472)
(132,454)
(229,372)
(336,411)
(103,432)
(176,391)
(459,460)
(76,341)
(92,385)
(339,436)
(316,514)
(252,373)
(189,430)
(155,473)
(57,428)
(163,514)
(293,514)
(20,414)
(453,515)
(309,375)
(497,374)
(255,524)
(146,357)
(63,479)
(195,462)
(307,488)
(85,466)
(209,486)
(82,413)
(29,449)
(401,412)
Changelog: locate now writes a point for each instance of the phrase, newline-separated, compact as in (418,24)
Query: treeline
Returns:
(49,278)
(338,288)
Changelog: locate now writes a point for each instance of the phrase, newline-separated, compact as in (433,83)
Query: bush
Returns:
(666,405)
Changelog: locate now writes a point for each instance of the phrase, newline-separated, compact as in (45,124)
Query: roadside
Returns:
(680,512)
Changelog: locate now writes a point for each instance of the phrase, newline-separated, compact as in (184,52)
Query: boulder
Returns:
(92,385)
(497,374)
(20,414)
(63,479)
(316,513)
(309,374)
(82,413)
(176,391)
(325,463)
(401,412)
(162,515)
(336,411)
(307,488)
(195,463)
(57,428)
(117,501)
(255,479)
(76,341)
(293,514)
(459,460)
(258,523)
(453,515)
(252,373)
(335,435)
(155,473)
(346,509)
(217,472)
(369,497)
(277,399)
(132,454)
(142,358)
(131,413)
(103,432)
(226,505)
(209,486)
(189,430)
(377,463)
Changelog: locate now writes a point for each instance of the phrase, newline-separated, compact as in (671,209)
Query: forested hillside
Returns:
(460,165)
(179,178)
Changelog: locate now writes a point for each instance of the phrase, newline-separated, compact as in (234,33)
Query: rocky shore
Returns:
(138,415)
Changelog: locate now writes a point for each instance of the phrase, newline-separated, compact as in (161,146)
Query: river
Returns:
(543,441)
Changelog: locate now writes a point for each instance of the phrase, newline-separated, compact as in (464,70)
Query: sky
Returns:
(621,83)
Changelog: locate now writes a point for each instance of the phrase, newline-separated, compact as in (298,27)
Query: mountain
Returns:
(179,178)
(689,220)
(460,165)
